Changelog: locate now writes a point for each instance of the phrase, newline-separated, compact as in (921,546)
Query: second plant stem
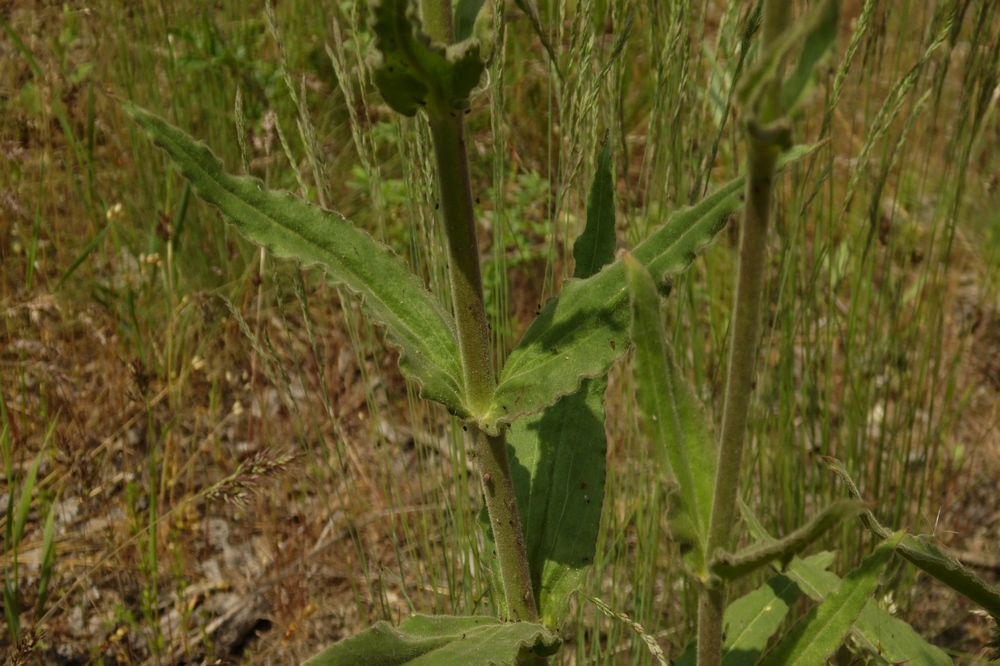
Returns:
(761,159)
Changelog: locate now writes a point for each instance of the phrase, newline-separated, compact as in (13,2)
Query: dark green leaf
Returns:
(595,248)
(558,463)
(423,640)
(416,322)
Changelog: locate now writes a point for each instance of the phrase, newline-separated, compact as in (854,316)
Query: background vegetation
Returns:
(216,445)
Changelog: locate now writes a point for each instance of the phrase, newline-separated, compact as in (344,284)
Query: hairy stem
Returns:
(761,158)
(448,135)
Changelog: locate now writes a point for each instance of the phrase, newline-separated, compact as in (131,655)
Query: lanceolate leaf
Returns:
(817,42)
(423,640)
(674,421)
(416,323)
(823,629)
(581,332)
(736,565)
(880,633)
(595,248)
(414,72)
(466,14)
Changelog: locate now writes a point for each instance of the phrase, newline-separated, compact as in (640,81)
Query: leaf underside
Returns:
(391,294)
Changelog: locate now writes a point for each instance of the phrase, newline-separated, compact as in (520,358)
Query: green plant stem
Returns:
(464,272)
(761,159)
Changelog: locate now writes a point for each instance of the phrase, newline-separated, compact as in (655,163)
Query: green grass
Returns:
(862,355)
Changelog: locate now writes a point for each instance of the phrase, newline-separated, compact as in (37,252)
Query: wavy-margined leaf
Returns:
(732,566)
(580,333)
(415,321)
(822,630)
(414,72)
(892,639)
(423,640)
(928,557)
(673,420)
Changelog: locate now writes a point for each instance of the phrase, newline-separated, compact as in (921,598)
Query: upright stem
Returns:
(448,134)
(761,159)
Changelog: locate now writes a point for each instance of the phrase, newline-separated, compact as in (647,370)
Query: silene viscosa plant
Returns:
(545,410)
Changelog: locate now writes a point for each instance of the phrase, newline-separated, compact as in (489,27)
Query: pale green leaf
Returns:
(582,331)
(815,33)
(673,420)
(414,72)
(875,629)
(822,630)
(732,566)
(892,639)
(393,296)
(749,622)
(423,640)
